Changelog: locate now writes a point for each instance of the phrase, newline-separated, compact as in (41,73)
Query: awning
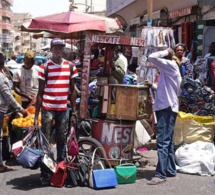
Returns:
(206,2)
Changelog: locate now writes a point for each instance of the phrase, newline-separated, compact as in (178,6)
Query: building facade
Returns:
(22,40)
(193,21)
(6,36)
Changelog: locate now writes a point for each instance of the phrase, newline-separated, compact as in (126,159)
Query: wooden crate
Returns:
(128,102)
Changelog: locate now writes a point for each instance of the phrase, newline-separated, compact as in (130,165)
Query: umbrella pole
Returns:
(149,12)
(85,77)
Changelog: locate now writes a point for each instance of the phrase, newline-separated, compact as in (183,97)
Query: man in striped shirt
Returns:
(55,83)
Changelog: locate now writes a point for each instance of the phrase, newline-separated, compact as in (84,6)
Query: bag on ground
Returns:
(102,178)
(59,177)
(126,173)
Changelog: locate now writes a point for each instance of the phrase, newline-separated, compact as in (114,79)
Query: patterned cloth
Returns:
(196,98)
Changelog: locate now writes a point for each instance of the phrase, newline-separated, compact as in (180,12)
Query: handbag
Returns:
(18,146)
(72,143)
(102,178)
(47,157)
(72,177)
(28,157)
(126,173)
(59,177)
(49,163)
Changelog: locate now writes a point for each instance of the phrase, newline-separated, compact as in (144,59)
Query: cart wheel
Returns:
(86,147)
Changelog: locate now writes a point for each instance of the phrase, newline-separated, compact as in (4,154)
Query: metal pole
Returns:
(91,6)
(86,8)
(149,8)
(149,12)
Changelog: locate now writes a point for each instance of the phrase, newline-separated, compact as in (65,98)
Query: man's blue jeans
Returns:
(61,128)
(165,148)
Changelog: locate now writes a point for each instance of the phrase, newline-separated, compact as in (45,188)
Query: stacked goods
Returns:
(27,121)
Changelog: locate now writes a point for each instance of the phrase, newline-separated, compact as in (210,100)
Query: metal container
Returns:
(117,138)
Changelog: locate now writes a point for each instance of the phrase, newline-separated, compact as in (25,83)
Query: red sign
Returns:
(180,12)
(116,40)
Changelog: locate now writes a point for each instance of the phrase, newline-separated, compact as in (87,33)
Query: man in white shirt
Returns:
(119,66)
(166,107)
(121,58)
(25,79)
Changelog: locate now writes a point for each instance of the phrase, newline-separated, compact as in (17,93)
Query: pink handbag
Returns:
(72,143)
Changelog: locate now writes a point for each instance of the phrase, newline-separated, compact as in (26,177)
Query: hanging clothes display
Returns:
(155,39)
(158,37)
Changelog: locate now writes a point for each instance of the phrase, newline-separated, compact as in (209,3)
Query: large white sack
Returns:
(196,158)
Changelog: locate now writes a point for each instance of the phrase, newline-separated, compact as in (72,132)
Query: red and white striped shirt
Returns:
(57,84)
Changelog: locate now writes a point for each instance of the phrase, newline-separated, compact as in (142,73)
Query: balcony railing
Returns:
(6,26)
(9,1)
(6,13)
(6,38)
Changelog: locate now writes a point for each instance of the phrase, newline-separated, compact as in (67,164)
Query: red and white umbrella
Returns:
(67,24)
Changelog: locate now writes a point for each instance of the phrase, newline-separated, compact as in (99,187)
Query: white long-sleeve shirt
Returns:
(169,81)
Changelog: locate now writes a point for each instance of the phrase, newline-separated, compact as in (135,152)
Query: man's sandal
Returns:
(5,169)
(156,180)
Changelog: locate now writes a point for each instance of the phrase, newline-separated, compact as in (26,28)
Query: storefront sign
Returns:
(180,12)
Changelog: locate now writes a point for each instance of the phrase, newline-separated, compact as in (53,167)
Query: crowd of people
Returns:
(52,86)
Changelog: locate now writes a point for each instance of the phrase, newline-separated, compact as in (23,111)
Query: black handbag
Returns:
(72,178)
(78,174)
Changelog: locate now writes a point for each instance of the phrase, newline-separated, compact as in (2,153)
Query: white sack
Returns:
(196,158)
(141,137)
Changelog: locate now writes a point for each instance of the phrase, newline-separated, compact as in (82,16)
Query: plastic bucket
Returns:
(117,138)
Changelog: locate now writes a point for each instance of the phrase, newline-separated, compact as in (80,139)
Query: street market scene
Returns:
(113,97)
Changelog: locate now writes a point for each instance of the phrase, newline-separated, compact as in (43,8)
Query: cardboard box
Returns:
(128,102)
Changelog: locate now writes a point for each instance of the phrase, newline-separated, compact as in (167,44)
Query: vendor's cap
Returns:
(57,41)
(29,55)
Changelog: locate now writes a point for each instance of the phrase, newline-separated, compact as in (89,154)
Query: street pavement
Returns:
(25,181)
